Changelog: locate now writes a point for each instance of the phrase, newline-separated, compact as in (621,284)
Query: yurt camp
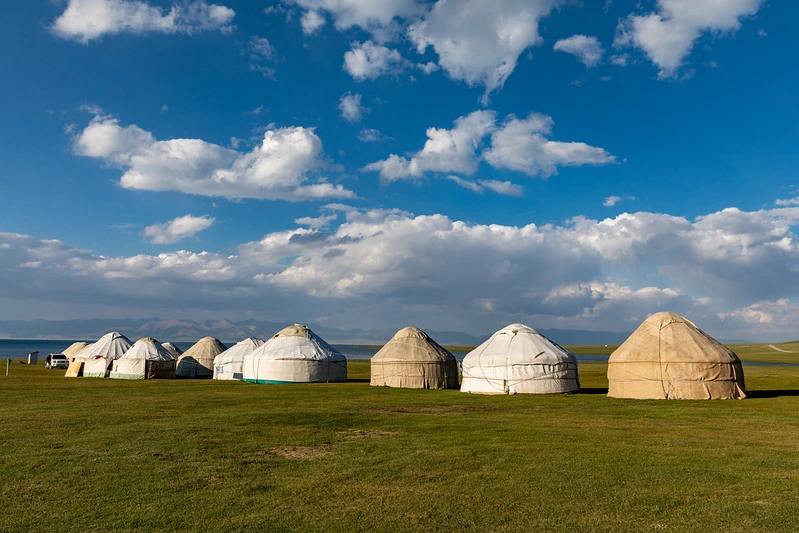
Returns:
(519,360)
(174,350)
(98,357)
(295,355)
(668,357)
(412,360)
(146,359)
(230,363)
(198,361)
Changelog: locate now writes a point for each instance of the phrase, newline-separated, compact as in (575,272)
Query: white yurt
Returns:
(99,356)
(230,363)
(295,355)
(519,360)
(198,361)
(412,360)
(146,359)
(174,350)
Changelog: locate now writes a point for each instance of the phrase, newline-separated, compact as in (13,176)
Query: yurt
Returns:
(230,363)
(519,360)
(668,357)
(99,356)
(75,367)
(174,350)
(74,349)
(295,355)
(412,360)
(198,361)
(146,359)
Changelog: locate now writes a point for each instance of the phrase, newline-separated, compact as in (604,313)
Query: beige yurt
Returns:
(174,350)
(98,357)
(412,360)
(198,361)
(75,368)
(295,355)
(74,349)
(519,360)
(668,357)
(146,359)
(230,363)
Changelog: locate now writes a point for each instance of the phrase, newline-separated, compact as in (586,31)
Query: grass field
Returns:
(105,455)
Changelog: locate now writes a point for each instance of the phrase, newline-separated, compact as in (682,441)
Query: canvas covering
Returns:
(74,349)
(146,359)
(174,350)
(198,361)
(98,357)
(411,359)
(669,357)
(295,355)
(519,360)
(230,363)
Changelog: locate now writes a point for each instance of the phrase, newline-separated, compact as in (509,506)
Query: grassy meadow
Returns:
(105,455)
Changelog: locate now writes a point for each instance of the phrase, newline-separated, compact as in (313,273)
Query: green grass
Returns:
(106,455)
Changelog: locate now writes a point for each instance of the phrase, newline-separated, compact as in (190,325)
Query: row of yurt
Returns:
(95,359)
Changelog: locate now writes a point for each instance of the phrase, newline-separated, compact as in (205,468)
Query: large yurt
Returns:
(519,360)
(171,348)
(412,360)
(295,355)
(146,359)
(98,357)
(230,363)
(668,357)
(198,361)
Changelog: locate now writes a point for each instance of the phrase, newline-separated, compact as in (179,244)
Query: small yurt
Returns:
(174,350)
(295,355)
(75,367)
(668,357)
(519,360)
(198,361)
(146,359)
(74,349)
(230,363)
(99,356)
(412,360)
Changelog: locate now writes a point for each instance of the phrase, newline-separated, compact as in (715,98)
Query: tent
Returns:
(412,360)
(146,359)
(230,363)
(519,360)
(198,361)
(74,349)
(174,350)
(75,367)
(295,355)
(668,357)
(98,357)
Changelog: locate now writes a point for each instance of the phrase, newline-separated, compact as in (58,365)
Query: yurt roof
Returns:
(112,345)
(518,344)
(411,344)
(174,350)
(297,342)
(148,349)
(75,348)
(238,350)
(205,348)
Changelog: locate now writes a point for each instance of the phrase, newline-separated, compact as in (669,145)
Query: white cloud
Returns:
(789,202)
(620,60)
(503,187)
(277,168)
(587,49)
(480,42)
(428,68)
(466,184)
(610,201)
(351,108)
(316,222)
(371,135)
(311,21)
(262,56)
(177,229)
(668,35)
(87,20)
(522,145)
(370,15)
(370,61)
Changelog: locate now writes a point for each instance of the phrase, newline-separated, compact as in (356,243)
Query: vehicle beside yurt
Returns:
(98,357)
(412,360)
(669,357)
(519,360)
(146,359)
(174,350)
(198,361)
(230,363)
(295,355)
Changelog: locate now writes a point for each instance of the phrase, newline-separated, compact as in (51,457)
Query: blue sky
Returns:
(451,164)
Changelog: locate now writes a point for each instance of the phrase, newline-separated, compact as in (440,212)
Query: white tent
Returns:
(230,363)
(198,361)
(98,357)
(412,360)
(174,350)
(74,349)
(295,355)
(146,359)
(519,360)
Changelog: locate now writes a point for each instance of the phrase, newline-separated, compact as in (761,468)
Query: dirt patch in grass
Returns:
(301,452)
(352,434)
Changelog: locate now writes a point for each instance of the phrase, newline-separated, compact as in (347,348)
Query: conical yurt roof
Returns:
(148,349)
(112,345)
(75,348)
(297,342)
(238,351)
(518,344)
(411,345)
(206,349)
(174,350)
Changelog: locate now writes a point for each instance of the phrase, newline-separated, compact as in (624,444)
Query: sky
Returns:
(455,165)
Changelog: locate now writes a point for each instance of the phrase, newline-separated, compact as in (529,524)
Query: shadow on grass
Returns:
(589,390)
(358,380)
(772,393)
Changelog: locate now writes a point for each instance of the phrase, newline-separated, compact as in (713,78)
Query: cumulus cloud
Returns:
(177,229)
(367,14)
(612,200)
(668,35)
(587,49)
(351,108)
(278,168)
(311,21)
(368,61)
(87,20)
